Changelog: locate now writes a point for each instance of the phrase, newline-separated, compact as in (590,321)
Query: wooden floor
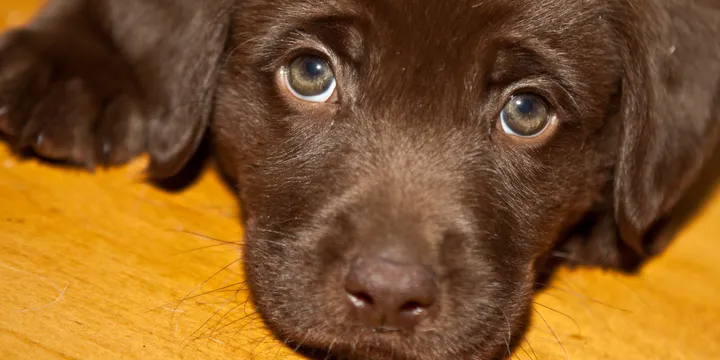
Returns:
(105,266)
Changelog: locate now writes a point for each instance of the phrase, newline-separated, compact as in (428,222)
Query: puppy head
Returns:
(403,164)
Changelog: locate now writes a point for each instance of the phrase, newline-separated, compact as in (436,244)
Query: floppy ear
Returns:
(174,48)
(670,108)
(184,68)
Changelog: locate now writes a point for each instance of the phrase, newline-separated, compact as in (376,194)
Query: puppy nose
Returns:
(390,296)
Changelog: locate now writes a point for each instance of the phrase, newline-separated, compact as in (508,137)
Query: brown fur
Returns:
(409,159)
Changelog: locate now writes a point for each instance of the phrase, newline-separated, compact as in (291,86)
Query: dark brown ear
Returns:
(670,112)
(183,67)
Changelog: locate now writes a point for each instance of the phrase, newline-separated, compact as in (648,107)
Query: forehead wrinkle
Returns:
(272,21)
(426,43)
(450,25)
(423,43)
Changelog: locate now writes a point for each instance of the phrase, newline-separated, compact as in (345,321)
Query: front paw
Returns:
(69,98)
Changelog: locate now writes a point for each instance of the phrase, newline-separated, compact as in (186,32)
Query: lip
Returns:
(384,329)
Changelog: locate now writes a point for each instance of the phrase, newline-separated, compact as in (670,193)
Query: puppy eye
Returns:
(525,115)
(310,78)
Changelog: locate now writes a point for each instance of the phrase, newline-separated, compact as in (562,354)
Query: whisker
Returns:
(553,333)
(632,290)
(584,297)
(329,350)
(531,347)
(212,247)
(201,284)
(206,237)
(280,348)
(216,331)
(294,237)
(227,313)
(525,351)
(509,330)
(218,290)
(227,301)
(259,342)
(225,288)
(585,304)
(301,343)
(577,326)
(219,241)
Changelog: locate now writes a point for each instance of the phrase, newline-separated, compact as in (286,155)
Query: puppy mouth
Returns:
(385,329)
(361,342)
(366,343)
(378,344)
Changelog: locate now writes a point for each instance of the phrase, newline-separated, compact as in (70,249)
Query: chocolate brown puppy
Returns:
(405,167)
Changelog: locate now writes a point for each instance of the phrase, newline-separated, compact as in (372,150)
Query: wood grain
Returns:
(106,266)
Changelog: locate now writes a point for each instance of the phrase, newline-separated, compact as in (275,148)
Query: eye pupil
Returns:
(525,106)
(313,68)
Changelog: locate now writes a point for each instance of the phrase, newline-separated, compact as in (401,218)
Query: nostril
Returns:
(360,299)
(412,308)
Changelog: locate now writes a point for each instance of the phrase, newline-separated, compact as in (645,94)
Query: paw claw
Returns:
(106,149)
(43,146)
(105,153)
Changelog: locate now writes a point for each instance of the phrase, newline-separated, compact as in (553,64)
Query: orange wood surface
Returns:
(106,266)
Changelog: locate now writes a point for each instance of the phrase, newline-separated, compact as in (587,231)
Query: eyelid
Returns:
(545,87)
(300,43)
